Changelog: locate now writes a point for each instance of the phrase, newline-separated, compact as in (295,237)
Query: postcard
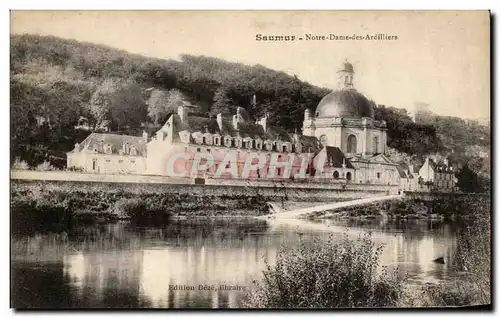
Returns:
(250,159)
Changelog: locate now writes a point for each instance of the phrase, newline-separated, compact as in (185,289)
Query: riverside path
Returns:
(327,207)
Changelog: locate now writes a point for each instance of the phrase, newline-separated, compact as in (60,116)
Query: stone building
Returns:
(185,135)
(345,119)
(437,176)
(109,153)
(342,135)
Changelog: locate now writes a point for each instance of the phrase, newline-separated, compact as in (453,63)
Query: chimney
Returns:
(237,118)
(219,121)
(295,136)
(182,112)
(145,136)
(235,122)
(263,122)
(307,114)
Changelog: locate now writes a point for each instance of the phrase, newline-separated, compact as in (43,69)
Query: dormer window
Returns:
(217,140)
(298,148)
(248,143)
(238,143)
(126,148)
(133,151)
(279,146)
(287,147)
(198,137)
(107,149)
(208,139)
(185,137)
(258,144)
(269,145)
(228,141)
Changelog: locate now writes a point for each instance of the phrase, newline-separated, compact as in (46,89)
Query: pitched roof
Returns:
(116,141)
(335,157)
(402,172)
(245,129)
(440,167)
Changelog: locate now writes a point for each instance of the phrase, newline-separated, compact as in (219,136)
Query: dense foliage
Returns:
(339,273)
(55,81)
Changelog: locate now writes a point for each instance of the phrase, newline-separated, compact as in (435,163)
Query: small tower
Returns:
(346,76)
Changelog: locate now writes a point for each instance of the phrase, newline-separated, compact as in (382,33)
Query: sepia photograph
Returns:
(250,159)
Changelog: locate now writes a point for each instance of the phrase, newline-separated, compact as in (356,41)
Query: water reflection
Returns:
(121,266)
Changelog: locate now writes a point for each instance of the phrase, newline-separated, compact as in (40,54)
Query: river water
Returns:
(117,265)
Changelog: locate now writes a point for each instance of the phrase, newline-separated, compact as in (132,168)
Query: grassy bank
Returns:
(36,206)
(444,208)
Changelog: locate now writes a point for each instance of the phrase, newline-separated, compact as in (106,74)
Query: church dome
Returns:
(346,103)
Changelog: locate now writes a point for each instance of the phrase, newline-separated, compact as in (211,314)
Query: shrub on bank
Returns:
(329,274)
(141,211)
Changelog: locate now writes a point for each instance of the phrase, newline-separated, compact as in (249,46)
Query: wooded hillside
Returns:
(56,81)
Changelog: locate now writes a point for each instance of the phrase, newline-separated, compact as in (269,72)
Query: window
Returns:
(120,161)
(94,164)
(323,139)
(107,149)
(348,176)
(352,144)
(133,151)
(258,144)
(375,144)
(208,150)
(228,165)
(335,174)
(132,161)
(198,150)
(108,161)
(238,142)
(269,145)
(217,140)
(378,175)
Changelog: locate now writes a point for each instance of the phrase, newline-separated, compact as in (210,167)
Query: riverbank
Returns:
(439,208)
(57,205)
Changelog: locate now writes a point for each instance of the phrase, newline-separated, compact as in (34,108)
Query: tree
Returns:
(222,103)
(469,181)
(99,105)
(127,107)
(162,103)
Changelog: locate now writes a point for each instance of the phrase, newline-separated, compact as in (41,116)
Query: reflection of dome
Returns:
(344,103)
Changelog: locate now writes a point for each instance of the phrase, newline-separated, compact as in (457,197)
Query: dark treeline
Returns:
(56,81)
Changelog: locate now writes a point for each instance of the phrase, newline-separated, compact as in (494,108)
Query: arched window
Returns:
(352,144)
(348,176)
(323,140)
(378,175)
(335,174)
(375,144)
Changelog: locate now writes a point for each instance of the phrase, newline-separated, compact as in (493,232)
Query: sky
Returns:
(441,58)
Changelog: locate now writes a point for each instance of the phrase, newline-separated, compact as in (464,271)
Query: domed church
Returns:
(345,119)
